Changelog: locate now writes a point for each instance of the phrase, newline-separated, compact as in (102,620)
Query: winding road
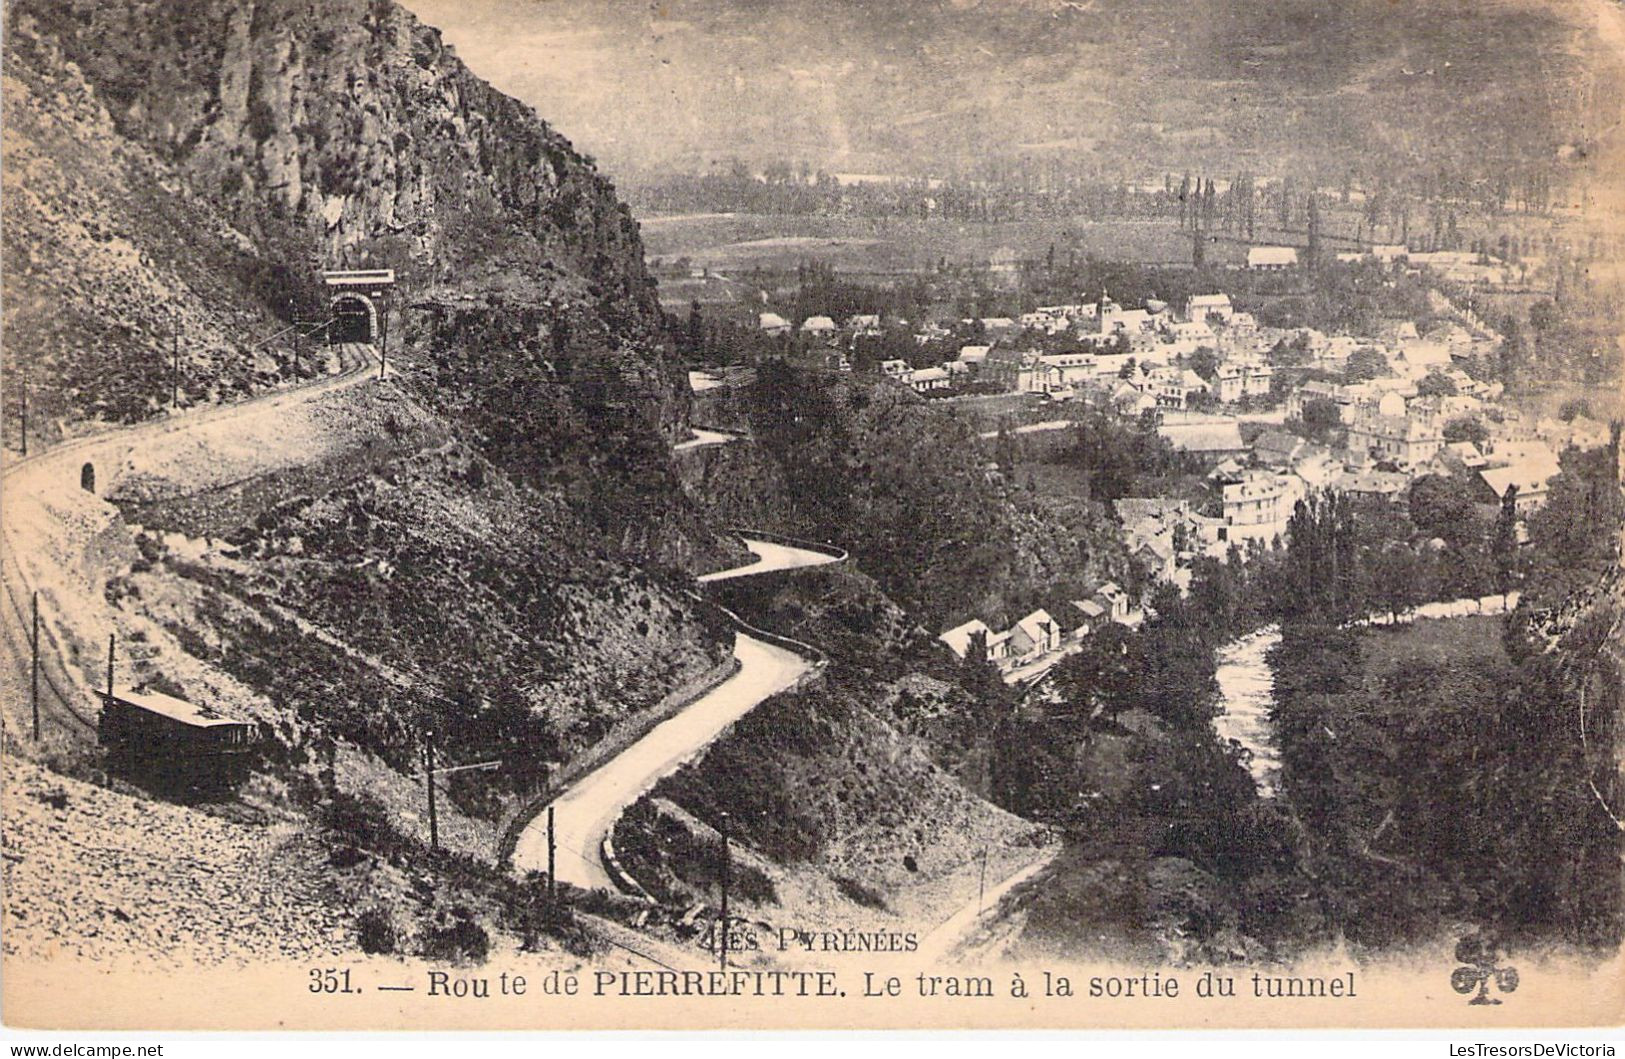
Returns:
(585,814)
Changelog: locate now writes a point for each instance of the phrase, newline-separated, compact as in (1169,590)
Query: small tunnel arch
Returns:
(87,477)
(356,318)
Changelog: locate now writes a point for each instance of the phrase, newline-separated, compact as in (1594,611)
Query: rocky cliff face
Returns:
(351,121)
(345,133)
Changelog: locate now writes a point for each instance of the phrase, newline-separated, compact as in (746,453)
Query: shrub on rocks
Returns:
(375,932)
(455,939)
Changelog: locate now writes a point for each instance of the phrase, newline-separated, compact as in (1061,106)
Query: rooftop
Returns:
(176,709)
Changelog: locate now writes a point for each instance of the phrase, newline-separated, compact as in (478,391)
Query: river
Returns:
(1247,688)
(1247,691)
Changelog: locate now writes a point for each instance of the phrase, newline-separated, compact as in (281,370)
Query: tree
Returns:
(1574,407)
(1204,362)
(1365,364)
(1466,428)
(1397,580)
(1104,678)
(1436,385)
(1289,353)
(1322,413)
(694,332)
(1321,573)
(1505,548)
(1444,506)
(1313,251)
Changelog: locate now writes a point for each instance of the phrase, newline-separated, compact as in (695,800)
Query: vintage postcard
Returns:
(562,514)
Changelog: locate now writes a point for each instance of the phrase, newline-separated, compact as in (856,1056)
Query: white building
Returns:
(1272,258)
(924,380)
(1199,308)
(1244,377)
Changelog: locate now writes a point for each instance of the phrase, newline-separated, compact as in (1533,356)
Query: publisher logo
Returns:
(1480,957)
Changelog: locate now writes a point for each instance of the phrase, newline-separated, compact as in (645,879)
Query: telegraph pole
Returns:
(428,757)
(23,391)
(981,885)
(383,336)
(552,876)
(111,637)
(726,857)
(293,314)
(33,668)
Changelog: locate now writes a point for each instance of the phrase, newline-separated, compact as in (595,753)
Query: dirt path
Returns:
(585,814)
(953,931)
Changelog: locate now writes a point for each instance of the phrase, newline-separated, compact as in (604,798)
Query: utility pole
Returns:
(293,314)
(175,363)
(33,669)
(383,335)
(726,866)
(428,776)
(552,876)
(111,637)
(981,885)
(23,391)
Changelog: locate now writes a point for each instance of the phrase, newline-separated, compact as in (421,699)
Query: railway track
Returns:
(67,710)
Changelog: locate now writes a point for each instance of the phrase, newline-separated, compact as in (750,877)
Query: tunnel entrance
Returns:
(354,318)
(355,298)
(87,478)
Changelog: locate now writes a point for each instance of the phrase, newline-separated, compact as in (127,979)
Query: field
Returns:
(879,246)
(1443,640)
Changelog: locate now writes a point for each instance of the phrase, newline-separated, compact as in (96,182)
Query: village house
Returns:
(996,645)
(821,326)
(1173,387)
(1152,532)
(1271,258)
(1129,399)
(1384,485)
(1335,356)
(1416,358)
(1580,432)
(1404,441)
(1034,635)
(894,369)
(1117,605)
(1158,558)
(1204,308)
(925,380)
(1011,369)
(1190,334)
(1278,449)
(1092,614)
(1463,454)
(1212,437)
(1299,399)
(1241,377)
(1533,477)
(773,324)
(863,325)
(1379,435)
(1258,506)
(1057,372)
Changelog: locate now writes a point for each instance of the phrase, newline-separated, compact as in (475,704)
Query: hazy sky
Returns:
(1122,85)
